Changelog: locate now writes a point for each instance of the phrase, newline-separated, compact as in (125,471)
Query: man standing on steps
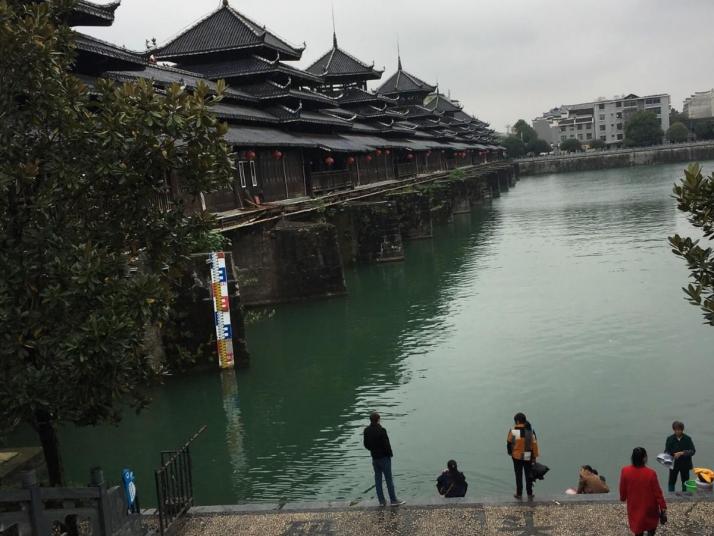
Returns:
(376,441)
(522,446)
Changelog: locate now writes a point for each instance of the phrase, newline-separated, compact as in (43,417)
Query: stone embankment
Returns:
(299,250)
(596,160)
(581,516)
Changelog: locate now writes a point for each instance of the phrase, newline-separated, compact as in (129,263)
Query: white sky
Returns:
(504,59)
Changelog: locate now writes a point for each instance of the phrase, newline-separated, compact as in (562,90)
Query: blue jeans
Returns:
(383,466)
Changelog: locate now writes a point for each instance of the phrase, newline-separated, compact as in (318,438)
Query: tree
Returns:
(643,129)
(677,117)
(525,132)
(570,145)
(515,148)
(703,129)
(597,144)
(695,196)
(88,258)
(538,146)
(678,133)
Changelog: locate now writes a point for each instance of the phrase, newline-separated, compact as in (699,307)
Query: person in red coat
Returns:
(640,488)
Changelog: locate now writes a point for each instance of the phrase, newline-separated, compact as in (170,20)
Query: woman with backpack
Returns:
(452,482)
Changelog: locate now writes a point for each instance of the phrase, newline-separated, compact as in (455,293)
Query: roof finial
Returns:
(334,27)
(399,55)
(225,3)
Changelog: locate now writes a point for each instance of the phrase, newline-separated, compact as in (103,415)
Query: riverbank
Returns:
(599,160)
(548,516)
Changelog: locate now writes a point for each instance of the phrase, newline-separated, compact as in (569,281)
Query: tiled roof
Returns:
(255,65)
(92,45)
(356,95)
(337,63)
(403,82)
(288,115)
(233,112)
(441,103)
(369,111)
(224,30)
(414,111)
(273,91)
(165,76)
(85,13)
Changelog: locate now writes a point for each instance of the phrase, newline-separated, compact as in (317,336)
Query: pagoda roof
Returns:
(272,90)
(369,111)
(404,82)
(85,13)
(300,115)
(355,95)
(117,57)
(415,111)
(440,103)
(225,30)
(233,112)
(252,66)
(336,63)
(164,76)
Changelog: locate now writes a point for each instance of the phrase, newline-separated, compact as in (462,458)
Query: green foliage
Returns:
(677,117)
(596,144)
(678,133)
(515,148)
(457,174)
(525,132)
(643,129)
(88,258)
(703,129)
(538,146)
(695,196)
(571,145)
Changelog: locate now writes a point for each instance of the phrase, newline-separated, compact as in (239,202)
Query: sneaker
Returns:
(383,504)
(516,496)
(397,503)
(531,497)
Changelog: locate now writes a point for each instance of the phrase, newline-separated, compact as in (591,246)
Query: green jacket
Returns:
(681,445)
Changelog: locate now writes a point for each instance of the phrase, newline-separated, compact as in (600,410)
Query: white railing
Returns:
(599,152)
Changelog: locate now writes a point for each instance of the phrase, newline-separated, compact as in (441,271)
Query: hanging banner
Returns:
(222,309)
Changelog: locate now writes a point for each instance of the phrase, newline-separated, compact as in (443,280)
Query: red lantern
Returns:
(250,155)
(387,152)
(378,152)
(410,156)
(350,160)
(277,155)
(368,158)
(428,154)
(329,161)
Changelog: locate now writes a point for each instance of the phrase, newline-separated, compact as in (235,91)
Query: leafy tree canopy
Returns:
(515,148)
(643,129)
(597,144)
(695,196)
(525,132)
(90,240)
(570,145)
(538,146)
(704,129)
(677,133)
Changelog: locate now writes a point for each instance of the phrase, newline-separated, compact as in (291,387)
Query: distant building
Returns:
(599,120)
(700,105)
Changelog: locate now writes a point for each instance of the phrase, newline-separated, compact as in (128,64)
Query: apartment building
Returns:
(700,105)
(603,119)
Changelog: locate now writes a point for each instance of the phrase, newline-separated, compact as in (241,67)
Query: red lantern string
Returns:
(350,160)
(277,155)
(410,156)
(368,158)
(329,161)
(378,152)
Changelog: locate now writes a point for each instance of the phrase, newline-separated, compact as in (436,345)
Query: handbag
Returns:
(538,471)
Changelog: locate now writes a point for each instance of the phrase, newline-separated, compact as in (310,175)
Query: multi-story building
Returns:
(599,120)
(700,105)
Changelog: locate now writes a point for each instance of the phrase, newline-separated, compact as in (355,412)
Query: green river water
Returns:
(561,299)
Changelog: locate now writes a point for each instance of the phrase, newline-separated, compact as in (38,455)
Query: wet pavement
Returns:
(687,517)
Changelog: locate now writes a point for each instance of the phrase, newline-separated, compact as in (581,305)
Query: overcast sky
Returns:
(504,59)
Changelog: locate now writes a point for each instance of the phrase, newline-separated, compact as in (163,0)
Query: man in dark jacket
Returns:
(376,441)
(681,447)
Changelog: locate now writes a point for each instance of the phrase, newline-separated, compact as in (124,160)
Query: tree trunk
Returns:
(45,428)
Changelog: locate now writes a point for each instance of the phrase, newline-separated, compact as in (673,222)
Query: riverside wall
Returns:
(592,161)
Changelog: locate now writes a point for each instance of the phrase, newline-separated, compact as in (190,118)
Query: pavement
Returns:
(582,516)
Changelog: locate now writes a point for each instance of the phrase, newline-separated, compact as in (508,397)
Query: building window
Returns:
(562,129)
(655,110)
(619,126)
(602,117)
(580,136)
(618,104)
(602,127)
(572,135)
(619,115)
(580,127)
(589,136)
(601,106)
(241,174)
(603,138)
(619,136)
(563,137)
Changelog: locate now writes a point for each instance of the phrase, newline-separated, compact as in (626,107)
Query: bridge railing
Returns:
(599,152)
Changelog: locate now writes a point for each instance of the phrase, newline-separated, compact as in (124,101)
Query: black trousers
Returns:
(648,533)
(520,467)
(673,473)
